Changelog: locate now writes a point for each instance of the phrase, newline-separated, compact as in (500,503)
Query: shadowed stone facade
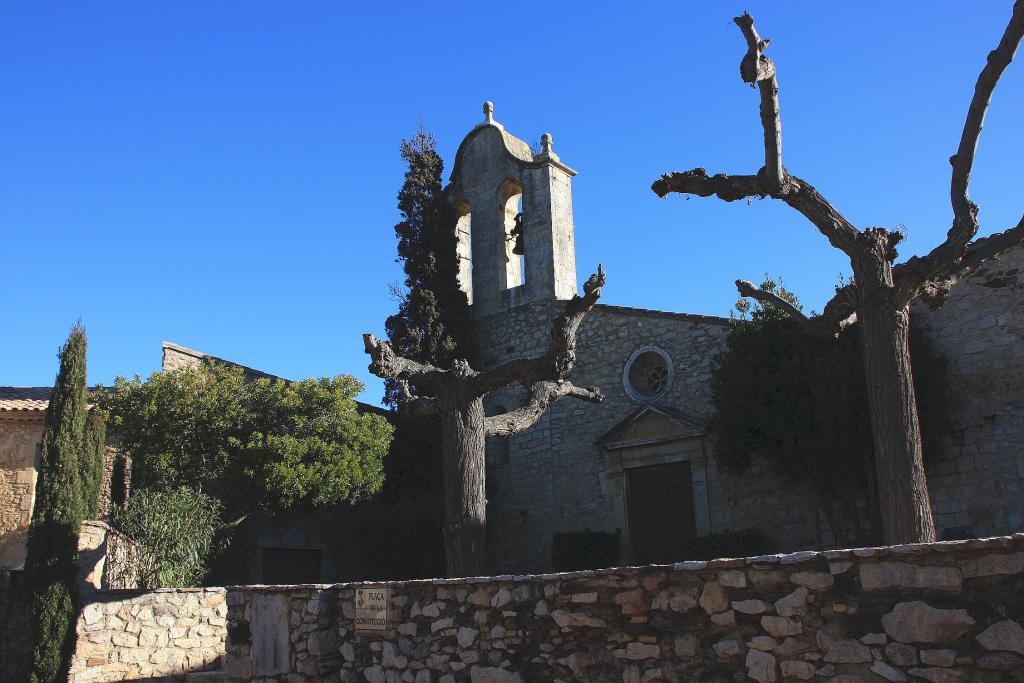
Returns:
(978,483)
(575,468)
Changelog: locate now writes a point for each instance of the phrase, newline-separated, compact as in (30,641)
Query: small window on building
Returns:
(648,374)
(290,566)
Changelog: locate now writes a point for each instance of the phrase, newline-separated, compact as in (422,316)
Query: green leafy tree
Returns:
(173,531)
(251,444)
(797,400)
(50,563)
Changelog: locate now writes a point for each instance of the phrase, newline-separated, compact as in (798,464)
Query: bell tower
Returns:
(496,183)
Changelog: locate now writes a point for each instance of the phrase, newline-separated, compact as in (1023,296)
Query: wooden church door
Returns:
(661,516)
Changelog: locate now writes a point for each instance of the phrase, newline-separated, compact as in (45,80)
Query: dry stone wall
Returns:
(946,613)
(164,633)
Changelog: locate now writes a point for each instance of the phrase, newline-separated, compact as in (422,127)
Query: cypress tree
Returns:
(91,469)
(53,535)
(431,325)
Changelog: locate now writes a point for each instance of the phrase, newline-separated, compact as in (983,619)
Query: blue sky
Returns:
(223,175)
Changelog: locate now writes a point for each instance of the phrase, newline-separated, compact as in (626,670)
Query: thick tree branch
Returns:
(748,289)
(412,405)
(988,247)
(773,180)
(387,365)
(542,394)
(945,257)
(934,292)
(798,193)
(561,355)
(803,197)
(563,334)
(697,182)
(964,210)
(839,312)
(756,68)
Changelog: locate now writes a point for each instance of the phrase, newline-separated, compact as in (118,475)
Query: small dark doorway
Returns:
(290,566)
(661,519)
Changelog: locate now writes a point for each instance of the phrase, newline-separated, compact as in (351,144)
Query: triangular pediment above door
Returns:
(650,425)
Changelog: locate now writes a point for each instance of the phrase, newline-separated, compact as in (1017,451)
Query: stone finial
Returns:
(488,112)
(545,142)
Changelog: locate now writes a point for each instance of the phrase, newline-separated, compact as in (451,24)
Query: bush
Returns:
(742,543)
(798,403)
(174,531)
(579,550)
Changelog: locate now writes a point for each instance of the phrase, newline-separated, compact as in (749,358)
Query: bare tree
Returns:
(880,295)
(456,396)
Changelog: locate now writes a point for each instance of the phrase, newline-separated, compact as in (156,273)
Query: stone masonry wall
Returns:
(946,613)
(106,558)
(18,438)
(978,483)
(131,635)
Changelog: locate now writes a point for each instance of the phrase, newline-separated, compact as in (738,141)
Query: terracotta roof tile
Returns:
(24,399)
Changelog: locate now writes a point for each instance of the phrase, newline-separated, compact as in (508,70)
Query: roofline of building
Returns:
(669,315)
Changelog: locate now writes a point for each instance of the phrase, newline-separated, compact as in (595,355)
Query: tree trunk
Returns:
(901,485)
(465,497)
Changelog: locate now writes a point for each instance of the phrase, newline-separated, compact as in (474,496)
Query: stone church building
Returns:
(640,463)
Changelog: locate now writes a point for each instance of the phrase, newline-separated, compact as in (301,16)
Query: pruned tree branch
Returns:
(934,292)
(387,365)
(946,256)
(803,197)
(561,355)
(965,211)
(542,394)
(757,69)
(697,182)
(985,248)
(563,334)
(412,405)
(748,289)
(773,180)
(840,311)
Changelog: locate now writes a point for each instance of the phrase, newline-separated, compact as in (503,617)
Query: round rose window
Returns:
(648,373)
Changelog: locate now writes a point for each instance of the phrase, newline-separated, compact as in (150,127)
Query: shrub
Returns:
(174,531)
(579,550)
(798,402)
